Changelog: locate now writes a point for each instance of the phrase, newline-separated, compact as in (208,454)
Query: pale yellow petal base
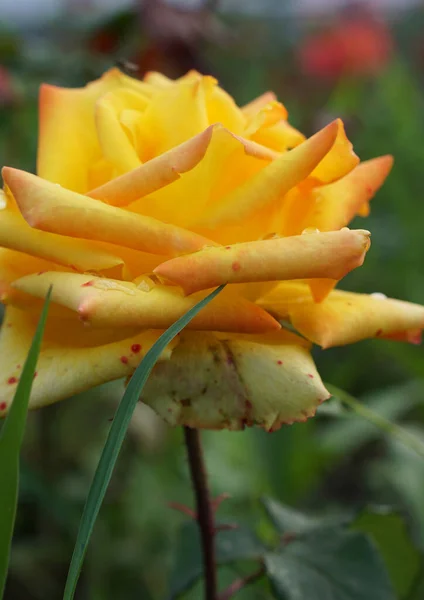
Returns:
(230,382)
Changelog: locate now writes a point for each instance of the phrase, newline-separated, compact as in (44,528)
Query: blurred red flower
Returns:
(358,44)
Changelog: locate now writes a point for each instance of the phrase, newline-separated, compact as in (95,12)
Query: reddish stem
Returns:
(205,513)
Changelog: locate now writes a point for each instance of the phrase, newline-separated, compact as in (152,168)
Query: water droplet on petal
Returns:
(309,230)
(379,296)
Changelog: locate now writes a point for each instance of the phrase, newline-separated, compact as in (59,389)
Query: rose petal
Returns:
(115,144)
(156,173)
(344,317)
(339,161)
(50,207)
(64,369)
(324,255)
(103,302)
(336,204)
(229,161)
(174,115)
(16,234)
(271,183)
(252,108)
(217,383)
(68,143)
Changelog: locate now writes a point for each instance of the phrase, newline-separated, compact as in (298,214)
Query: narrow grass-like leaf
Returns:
(376,419)
(11,437)
(115,439)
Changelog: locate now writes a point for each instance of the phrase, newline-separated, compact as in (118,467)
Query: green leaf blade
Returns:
(11,437)
(335,565)
(115,439)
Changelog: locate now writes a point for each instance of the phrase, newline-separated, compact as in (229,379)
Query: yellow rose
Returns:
(148,194)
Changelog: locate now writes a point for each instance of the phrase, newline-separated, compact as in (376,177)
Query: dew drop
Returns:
(310,230)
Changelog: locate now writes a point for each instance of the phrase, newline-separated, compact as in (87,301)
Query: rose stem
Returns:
(205,513)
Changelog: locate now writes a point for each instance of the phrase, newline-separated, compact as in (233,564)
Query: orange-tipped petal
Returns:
(63,368)
(68,143)
(50,207)
(271,183)
(339,161)
(103,302)
(215,382)
(16,234)
(325,255)
(337,203)
(228,162)
(252,108)
(156,173)
(345,317)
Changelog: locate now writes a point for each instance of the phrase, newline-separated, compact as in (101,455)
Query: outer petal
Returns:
(50,207)
(329,255)
(107,303)
(336,204)
(339,161)
(345,317)
(63,369)
(217,383)
(16,234)
(271,183)
(14,265)
(68,143)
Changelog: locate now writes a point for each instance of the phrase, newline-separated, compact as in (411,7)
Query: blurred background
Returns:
(363,61)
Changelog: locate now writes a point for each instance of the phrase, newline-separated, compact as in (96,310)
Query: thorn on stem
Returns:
(183,509)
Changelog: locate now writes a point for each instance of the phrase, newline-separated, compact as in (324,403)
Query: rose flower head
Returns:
(148,195)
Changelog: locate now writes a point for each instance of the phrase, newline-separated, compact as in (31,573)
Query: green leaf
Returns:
(11,437)
(333,565)
(389,532)
(231,545)
(288,520)
(115,439)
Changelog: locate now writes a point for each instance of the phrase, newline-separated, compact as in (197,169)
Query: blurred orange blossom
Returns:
(150,193)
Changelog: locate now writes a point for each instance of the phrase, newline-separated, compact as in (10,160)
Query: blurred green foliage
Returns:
(327,464)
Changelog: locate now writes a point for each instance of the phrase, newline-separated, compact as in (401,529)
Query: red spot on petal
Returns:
(136,348)
(310,375)
(248,405)
(12,380)
(236,266)
(41,272)
(369,189)
(35,374)
(3,405)
(18,366)
(279,362)
(88,283)
(124,360)
(378,332)
(228,247)
(73,267)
